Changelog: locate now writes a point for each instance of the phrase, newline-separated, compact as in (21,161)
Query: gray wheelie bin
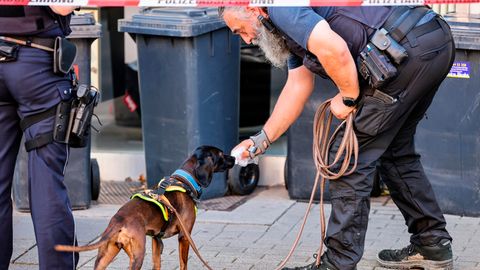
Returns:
(188,64)
(82,174)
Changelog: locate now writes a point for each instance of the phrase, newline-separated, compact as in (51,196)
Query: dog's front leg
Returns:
(157,250)
(183,247)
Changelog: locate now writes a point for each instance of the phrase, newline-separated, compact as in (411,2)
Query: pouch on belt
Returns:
(8,51)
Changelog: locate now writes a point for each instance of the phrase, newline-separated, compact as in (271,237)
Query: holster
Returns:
(62,117)
(384,42)
(63,55)
(375,67)
(72,120)
(375,61)
(81,115)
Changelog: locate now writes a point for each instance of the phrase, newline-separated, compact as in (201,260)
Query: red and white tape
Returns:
(214,3)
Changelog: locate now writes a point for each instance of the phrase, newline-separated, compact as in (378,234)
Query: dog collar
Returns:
(185,175)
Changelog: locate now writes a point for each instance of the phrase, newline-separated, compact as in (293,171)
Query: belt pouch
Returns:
(63,56)
(8,51)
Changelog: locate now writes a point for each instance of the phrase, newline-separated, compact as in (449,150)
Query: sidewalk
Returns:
(256,235)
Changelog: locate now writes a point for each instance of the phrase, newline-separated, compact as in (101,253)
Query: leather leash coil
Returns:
(321,148)
(167,203)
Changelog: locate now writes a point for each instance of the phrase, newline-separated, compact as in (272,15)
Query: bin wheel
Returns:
(243,180)
(95,178)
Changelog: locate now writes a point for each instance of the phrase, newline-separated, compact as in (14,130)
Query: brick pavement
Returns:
(256,235)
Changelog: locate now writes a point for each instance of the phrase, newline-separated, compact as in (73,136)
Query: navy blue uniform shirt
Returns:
(298,23)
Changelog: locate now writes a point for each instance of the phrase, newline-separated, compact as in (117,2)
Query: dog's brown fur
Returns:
(128,228)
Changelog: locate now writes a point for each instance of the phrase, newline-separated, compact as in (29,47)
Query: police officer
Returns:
(327,41)
(29,87)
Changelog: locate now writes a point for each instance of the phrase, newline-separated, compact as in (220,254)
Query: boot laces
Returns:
(406,251)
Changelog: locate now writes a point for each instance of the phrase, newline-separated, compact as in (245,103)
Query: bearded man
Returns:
(417,44)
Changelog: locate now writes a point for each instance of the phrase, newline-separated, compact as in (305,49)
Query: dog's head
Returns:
(208,160)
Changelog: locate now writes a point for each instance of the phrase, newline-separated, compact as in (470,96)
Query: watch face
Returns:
(349,102)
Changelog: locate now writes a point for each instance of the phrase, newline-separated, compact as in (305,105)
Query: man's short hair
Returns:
(240,11)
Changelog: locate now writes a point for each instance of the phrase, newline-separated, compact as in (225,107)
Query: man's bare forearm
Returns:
(290,103)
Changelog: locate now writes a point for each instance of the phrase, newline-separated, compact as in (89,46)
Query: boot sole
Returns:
(423,264)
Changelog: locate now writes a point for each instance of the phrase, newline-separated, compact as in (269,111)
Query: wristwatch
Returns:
(350,102)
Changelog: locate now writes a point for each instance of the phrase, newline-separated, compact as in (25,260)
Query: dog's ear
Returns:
(204,170)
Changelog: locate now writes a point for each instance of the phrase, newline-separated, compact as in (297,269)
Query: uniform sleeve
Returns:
(296,22)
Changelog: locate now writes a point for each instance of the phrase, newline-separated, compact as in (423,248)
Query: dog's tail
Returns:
(80,248)
(110,232)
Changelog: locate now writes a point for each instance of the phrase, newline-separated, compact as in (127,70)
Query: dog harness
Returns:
(145,195)
(167,184)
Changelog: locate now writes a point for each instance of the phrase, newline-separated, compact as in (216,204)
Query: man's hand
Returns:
(339,109)
(241,154)
(61,10)
(246,144)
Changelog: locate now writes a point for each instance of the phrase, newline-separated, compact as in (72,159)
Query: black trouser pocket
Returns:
(375,114)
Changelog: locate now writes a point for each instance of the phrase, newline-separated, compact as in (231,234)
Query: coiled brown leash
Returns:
(321,148)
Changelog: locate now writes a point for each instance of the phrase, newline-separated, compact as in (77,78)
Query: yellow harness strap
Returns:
(145,197)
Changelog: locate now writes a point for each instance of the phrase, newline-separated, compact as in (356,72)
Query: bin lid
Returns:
(465,30)
(84,26)
(173,22)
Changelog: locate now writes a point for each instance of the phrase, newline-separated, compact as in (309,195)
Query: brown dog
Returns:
(137,218)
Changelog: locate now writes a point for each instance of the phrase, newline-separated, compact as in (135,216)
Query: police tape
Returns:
(216,3)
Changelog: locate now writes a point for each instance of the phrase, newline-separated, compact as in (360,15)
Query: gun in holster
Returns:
(72,122)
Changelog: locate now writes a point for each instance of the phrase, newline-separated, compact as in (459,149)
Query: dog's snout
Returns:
(229,161)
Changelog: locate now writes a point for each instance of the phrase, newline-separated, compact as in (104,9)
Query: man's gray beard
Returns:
(273,46)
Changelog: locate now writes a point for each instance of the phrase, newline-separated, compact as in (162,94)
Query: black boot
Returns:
(325,265)
(438,256)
